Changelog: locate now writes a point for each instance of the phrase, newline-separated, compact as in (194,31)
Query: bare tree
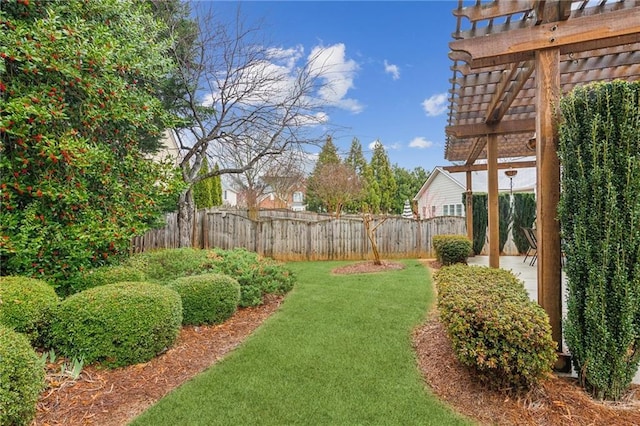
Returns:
(241,104)
(334,185)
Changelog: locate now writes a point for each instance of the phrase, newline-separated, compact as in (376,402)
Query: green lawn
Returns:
(337,353)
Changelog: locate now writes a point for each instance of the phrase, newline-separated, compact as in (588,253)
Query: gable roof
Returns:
(523,181)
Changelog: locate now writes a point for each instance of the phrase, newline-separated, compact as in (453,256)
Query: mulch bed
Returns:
(115,397)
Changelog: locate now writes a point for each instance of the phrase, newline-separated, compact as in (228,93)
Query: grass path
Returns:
(337,353)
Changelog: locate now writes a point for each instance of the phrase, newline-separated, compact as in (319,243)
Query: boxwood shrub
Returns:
(26,305)
(21,378)
(494,327)
(452,249)
(117,324)
(207,298)
(108,275)
(257,275)
(164,266)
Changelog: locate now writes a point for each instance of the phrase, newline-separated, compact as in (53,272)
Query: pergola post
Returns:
(492,187)
(547,63)
(469,207)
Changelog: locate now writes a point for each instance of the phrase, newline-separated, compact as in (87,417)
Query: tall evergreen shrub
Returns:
(505,214)
(524,213)
(600,215)
(480,220)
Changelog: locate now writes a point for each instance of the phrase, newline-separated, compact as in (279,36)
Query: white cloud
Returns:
(372,145)
(286,57)
(337,74)
(420,142)
(208,100)
(435,105)
(392,69)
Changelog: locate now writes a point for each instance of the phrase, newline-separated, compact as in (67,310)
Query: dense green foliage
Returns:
(480,220)
(208,191)
(107,275)
(21,379)
(452,249)
(207,298)
(505,219)
(493,326)
(78,80)
(524,213)
(117,324)
(257,275)
(599,213)
(383,176)
(26,305)
(164,266)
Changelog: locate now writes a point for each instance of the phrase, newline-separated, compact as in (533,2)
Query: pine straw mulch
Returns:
(114,397)
(558,400)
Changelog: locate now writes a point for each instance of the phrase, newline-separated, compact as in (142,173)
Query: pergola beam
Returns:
(502,128)
(580,34)
(479,167)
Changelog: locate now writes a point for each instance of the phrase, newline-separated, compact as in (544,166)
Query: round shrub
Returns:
(494,327)
(109,275)
(21,378)
(26,305)
(207,298)
(117,324)
(452,249)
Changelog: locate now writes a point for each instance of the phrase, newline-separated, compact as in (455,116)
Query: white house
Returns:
(441,194)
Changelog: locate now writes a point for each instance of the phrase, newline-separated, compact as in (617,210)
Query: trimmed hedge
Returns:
(493,326)
(117,324)
(21,378)
(108,275)
(452,249)
(26,305)
(207,298)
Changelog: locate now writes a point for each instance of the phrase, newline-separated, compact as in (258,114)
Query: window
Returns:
(445,210)
(433,211)
(297,197)
(458,209)
(224,195)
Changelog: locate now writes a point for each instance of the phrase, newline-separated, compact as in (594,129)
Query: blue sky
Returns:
(393,65)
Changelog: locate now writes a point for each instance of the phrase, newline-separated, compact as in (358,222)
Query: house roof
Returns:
(523,181)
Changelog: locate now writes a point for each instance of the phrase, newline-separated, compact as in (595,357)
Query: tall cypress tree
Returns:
(383,175)
(203,189)
(356,160)
(216,188)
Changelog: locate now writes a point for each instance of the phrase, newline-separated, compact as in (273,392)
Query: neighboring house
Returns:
(441,194)
(169,149)
(229,194)
(293,201)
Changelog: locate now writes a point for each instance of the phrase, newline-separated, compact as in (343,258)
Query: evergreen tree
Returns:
(328,155)
(202,190)
(409,183)
(383,175)
(216,188)
(356,160)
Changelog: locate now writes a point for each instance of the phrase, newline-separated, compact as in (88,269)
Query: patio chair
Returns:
(532,251)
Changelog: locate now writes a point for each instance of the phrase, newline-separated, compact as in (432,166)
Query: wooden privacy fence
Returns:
(294,237)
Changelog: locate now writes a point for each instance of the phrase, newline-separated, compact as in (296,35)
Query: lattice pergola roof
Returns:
(493,84)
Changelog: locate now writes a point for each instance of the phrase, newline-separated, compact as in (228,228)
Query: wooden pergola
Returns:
(512,61)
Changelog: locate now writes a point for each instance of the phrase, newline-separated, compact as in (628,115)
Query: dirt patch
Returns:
(368,267)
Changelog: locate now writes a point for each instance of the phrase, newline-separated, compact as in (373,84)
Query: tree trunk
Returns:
(186,209)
